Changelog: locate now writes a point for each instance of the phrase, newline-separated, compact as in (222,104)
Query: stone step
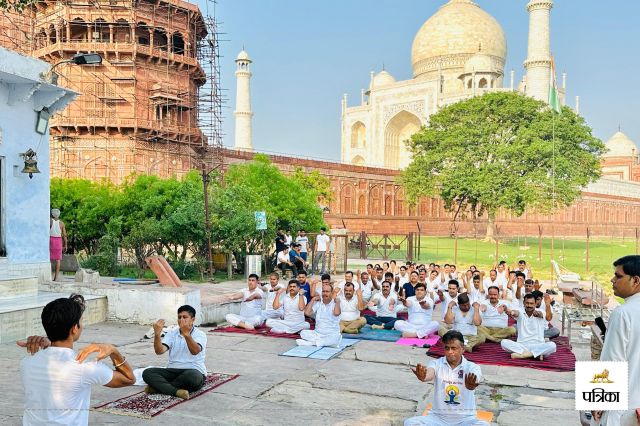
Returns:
(12,287)
(20,316)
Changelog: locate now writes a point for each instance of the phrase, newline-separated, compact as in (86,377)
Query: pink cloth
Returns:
(410,341)
(55,248)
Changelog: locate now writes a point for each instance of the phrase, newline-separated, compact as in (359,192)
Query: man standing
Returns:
(57,383)
(251,307)
(350,306)
(420,307)
(461,318)
(320,252)
(495,321)
(385,304)
(327,314)
(186,344)
(622,342)
(455,380)
(303,241)
(530,327)
(293,304)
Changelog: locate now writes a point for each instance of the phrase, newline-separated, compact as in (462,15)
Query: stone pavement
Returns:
(368,384)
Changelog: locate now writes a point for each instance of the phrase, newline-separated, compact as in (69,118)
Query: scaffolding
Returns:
(154,106)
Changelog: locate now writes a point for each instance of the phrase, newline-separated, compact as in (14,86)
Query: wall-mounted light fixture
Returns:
(43,121)
(78,59)
(30,162)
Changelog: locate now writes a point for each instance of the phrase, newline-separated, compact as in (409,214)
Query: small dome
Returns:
(620,146)
(243,56)
(383,78)
(479,63)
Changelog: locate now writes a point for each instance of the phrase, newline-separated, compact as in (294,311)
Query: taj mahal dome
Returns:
(459,52)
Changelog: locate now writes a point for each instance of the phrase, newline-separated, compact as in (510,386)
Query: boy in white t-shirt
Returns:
(270,293)
(320,252)
(57,380)
(455,380)
(250,315)
(303,240)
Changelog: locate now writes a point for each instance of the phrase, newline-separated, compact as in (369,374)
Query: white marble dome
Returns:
(243,56)
(383,78)
(620,146)
(479,63)
(455,33)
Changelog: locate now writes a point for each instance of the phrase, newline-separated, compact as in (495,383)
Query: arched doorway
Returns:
(358,160)
(401,127)
(358,135)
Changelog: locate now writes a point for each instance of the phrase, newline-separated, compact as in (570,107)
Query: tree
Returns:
(502,151)
(259,186)
(16,5)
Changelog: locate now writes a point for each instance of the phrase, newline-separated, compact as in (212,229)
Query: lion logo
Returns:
(602,377)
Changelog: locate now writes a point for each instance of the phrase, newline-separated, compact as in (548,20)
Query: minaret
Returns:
(538,63)
(243,112)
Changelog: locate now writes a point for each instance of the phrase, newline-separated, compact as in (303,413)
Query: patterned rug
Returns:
(147,406)
(491,353)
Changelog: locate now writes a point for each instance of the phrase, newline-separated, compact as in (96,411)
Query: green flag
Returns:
(554,99)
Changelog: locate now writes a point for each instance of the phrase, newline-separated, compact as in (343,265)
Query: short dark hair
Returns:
(537,294)
(452,335)
(385,282)
(59,316)
(349,272)
(520,274)
(463,298)
(529,296)
(187,308)
(403,268)
(348,284)
(420,285)
(293,282)
(303,272)
(476,277)
(446,264)
(388,275)
(254,276)
(453,282)
(275,274)
(322,228)
(493,287)
(528,281)
(370,264)
(414,272)
(325,277)
(630,265)
(522,262)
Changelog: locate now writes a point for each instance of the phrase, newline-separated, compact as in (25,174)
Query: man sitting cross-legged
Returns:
(271,291)
(495,321)
(530,325)
(293,304)
(385,303)
(57,380)
(464,320)
(550,331)
(420,308)
(350,306)
(455,380)
(186,344)
(327,314)
(452,291)
(251,307)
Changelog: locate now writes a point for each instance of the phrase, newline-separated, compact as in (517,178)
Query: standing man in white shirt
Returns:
(250,315)
(455,380)
(303,240)
(57,380)
(186,345)
(621,341)
(530,325)
(327,314)
(350,306)
(320,252)
(420,322)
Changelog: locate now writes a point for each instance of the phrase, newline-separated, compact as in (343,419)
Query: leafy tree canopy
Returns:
(502,150)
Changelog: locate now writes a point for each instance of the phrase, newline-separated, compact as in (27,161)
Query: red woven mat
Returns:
(492,353)
(147,406)
(259,331)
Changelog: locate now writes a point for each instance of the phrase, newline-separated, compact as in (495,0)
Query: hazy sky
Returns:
(308,53)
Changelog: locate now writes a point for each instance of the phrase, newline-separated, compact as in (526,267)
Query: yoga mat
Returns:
(259,331)
(367,333)
(486,416)
(410,341)
(492,353)
(147,406)
(315,352)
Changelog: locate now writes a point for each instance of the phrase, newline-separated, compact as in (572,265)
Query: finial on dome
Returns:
(480,47)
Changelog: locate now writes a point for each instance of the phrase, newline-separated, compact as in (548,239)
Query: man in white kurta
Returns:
(251,307)
(293,304)
(622,339)
(495,321)
(270,292)
(327,311)
(530,326)
(420,322)
(455,380)
(385,304)
(350,306)
(447,295)
(465,318)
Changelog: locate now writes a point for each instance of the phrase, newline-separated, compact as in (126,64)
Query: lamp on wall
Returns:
(77,59)
(30,162)
(43,121)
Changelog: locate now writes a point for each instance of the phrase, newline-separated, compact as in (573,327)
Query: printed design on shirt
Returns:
(452,395)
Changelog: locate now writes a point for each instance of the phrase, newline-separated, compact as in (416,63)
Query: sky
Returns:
(306,54)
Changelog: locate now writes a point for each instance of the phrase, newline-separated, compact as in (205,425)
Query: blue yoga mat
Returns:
(367,333)
(315,352)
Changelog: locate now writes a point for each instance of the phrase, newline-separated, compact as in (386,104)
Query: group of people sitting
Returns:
(475,303)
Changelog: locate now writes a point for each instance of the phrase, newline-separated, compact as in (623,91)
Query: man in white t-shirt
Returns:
(385,303)
(186,344)
(530,325)
(495,321)
(367,285)
(494,280)
(250,315)
(293,304)
(476,290)
(320,252)
(465,318)
(57,380)
(303,240)
(455,380)
(453,289)
(270,292)
(350,306)
(348,278)
(420,322)
(327,315)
